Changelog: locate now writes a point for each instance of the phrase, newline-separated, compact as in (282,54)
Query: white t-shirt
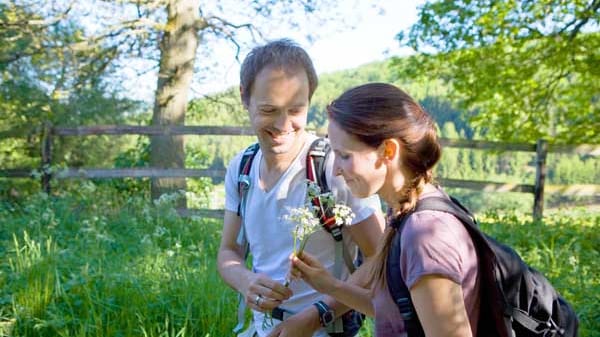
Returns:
(270,236)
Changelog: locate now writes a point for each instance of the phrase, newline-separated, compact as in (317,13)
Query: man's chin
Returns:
(281,148)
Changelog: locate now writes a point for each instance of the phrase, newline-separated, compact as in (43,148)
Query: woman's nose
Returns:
(337,169)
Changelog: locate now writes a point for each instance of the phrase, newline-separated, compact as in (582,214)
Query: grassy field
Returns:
(95,263)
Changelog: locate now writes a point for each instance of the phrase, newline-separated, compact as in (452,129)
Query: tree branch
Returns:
(227,29)
(580,22)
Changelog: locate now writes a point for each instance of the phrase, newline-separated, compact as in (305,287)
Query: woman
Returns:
(385,143)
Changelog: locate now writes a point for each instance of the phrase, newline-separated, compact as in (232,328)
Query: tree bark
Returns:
(178,52)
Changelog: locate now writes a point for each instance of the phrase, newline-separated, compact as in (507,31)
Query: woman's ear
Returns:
(389,149)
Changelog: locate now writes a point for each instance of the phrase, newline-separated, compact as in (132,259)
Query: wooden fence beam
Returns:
(486,186)
(583,149)
(141,172)
(486,145)
(202,212)
(16,173)
(540,177)
(575,189)
(541,148)
(157,130)
(46,153)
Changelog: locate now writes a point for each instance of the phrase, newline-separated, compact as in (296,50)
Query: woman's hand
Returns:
(307,268)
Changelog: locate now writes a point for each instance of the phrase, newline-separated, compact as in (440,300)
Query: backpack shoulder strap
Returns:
(316,161)
(244,172)
(452,206)
(396,285)
(315,172)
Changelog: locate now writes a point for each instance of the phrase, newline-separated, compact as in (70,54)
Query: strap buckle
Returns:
(406,309)
(281,314)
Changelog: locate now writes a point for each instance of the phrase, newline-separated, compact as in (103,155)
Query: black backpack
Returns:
(516,300)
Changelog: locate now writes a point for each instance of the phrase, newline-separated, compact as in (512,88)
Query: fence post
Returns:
(46,147)
(540,177)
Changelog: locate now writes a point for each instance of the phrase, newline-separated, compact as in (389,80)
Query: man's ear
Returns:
(244,99)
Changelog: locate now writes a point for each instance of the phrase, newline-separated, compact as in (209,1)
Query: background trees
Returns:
(529,68)
(57,52)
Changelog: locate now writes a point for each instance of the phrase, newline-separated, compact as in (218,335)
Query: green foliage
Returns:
(99,263)
(481,201)
(523,65)
(93,262)
(47,78)
(570,168)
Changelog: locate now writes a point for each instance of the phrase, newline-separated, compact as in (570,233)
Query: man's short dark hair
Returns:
(283,53)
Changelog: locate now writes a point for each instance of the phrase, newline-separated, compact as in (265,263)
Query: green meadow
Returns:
(92,262)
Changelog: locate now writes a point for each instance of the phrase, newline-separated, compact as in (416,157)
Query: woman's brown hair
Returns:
(375,112)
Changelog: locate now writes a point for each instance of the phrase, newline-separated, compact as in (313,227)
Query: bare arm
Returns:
(353,292)
(366,234)
(230,259)
(440,307)
(231,266)
(342,294)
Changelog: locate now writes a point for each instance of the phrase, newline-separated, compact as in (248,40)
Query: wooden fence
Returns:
(48,133)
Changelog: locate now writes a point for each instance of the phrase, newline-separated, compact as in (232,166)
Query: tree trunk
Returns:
(178,52)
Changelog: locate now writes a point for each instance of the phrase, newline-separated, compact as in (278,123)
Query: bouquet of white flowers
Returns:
(306,221)
(306,218)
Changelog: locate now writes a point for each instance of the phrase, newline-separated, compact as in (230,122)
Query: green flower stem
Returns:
(303,243)
(287,281)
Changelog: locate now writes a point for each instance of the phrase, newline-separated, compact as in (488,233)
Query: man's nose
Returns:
(283,122)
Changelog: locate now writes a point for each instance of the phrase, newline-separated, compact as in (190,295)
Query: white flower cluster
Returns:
(343,214)
(306,222)
(306,218)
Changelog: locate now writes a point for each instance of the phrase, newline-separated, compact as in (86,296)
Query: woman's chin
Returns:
(357,192)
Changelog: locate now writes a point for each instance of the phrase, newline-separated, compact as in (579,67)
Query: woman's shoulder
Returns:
(433,225)
(435,242)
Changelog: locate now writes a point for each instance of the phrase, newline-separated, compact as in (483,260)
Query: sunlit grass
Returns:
(105,265)
(93,262)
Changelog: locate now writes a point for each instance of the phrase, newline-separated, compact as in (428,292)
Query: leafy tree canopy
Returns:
(530,69)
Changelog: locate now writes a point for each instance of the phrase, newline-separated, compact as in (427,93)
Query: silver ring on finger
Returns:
(258,300)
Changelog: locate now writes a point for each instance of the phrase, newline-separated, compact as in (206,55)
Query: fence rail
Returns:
(48,133)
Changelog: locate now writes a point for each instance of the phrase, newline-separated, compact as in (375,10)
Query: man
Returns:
(277,81)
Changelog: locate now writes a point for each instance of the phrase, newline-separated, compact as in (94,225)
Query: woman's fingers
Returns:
(309,269)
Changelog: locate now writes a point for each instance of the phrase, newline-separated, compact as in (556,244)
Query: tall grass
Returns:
(93,262)
(96,263)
